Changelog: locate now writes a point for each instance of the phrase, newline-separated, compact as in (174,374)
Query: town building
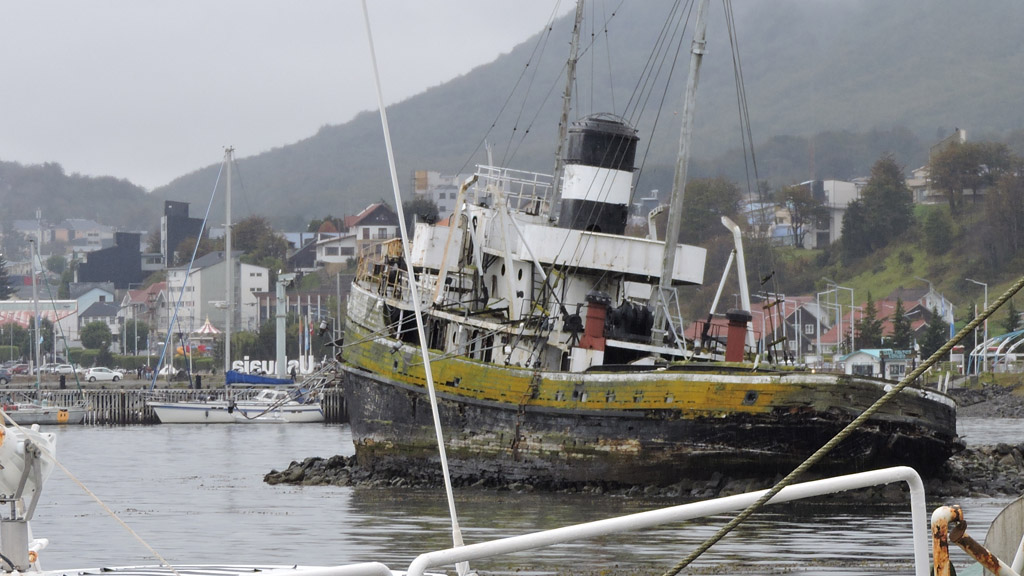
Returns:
(175,227)
(120,264)
(202,293)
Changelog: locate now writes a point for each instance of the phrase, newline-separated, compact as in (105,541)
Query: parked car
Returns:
(20,369)
(67,369)
(47,368)
(5,376)
(101,373)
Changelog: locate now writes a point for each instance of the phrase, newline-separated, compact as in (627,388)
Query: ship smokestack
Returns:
(590,349)
(598,175)
(736,336)
(593,330)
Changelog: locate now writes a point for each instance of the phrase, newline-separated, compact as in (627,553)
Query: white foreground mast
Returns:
(230,273)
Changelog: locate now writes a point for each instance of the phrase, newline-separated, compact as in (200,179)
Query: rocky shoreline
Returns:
(975,472)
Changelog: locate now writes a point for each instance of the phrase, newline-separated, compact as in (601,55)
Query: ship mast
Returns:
(679,181)
(563,122)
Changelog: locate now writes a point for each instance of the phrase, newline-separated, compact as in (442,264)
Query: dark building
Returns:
(120,264)
(176,226)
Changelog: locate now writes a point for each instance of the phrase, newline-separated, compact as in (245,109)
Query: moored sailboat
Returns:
(38,408)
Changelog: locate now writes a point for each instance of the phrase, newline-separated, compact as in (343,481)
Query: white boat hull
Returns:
(26,415)
(220,412)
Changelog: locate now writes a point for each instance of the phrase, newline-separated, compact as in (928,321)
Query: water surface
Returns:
(195,494)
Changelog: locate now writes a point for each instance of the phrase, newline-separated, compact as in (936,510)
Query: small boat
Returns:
(43,412)
(37,407)
(289,403)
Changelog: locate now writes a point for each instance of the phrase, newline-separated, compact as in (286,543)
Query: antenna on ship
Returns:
(462,567)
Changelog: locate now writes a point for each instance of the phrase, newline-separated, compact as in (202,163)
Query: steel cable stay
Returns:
(188,273)
(848,430)
(750,164)
(58,327)
(45,452)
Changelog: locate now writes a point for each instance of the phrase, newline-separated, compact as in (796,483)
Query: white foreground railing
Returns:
(642,520)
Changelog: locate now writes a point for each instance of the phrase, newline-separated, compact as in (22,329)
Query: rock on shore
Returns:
(975,472)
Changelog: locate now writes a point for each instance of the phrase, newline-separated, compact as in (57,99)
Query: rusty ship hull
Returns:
(627,426)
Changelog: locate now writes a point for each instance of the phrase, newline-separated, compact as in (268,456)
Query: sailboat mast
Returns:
(35,304)
(675,208)
(563,122)
(230,269)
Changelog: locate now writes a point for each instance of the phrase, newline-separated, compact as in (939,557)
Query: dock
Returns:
(128,406)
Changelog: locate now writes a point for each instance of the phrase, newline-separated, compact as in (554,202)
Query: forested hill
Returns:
(830,87)
(867,68)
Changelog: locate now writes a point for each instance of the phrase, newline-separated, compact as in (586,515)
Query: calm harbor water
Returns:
(195,494)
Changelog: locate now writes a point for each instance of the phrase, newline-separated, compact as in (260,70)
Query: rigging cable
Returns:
(188,273)
(110,512)
(746,136)
(849,429)
(537,51)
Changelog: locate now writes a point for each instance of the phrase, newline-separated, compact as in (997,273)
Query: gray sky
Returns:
(149,90)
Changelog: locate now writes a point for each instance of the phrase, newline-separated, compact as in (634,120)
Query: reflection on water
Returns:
(990,431)
(195,494)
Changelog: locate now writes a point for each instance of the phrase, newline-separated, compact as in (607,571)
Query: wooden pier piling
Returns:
(128,406)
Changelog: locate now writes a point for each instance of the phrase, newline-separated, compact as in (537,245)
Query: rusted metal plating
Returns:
(948,525)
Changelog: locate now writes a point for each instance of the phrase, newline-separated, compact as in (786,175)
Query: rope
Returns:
(103,505)
(850,428)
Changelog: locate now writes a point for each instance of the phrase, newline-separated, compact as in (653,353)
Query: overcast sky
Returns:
(149,90)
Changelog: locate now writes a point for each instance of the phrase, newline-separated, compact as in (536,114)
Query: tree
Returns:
(314,224)
(934,336)
(869,327)
(706,201)
(136,336)
(902,334)
(153,241)
(804,210)
(64,288)
(888,202)
(938,227)
(96,335)
(1004,217)
(56,264)
(262,245)
(855,242)
(15,335)
(1012,321)
(185,250)
(977,333)
(46,346)
(960,166)
(884,211)
(419,209)
(6,290)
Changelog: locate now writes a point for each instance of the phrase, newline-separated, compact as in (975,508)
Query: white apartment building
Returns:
(204,295)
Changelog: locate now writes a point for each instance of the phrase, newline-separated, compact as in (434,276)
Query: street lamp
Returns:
(853,345)
(984,354)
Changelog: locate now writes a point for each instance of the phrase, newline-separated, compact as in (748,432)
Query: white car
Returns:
(101,373)
(66,369)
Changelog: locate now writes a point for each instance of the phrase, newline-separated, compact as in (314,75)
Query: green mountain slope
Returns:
(808,66)
(876,75)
